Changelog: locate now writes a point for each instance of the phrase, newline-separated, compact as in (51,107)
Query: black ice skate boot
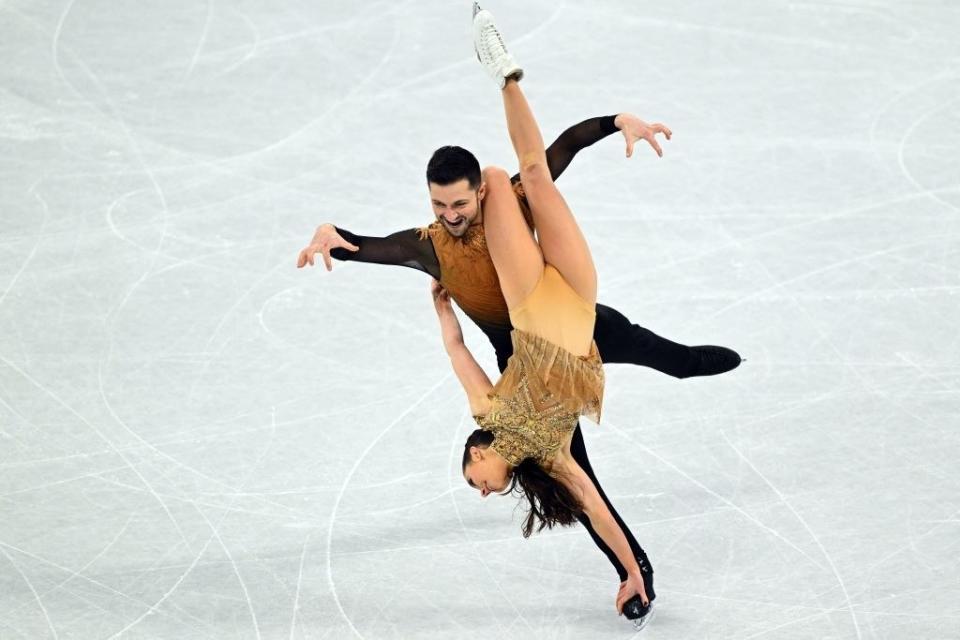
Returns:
(714,360)
(634,609)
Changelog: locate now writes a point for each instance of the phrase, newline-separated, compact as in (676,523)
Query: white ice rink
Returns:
(197,440)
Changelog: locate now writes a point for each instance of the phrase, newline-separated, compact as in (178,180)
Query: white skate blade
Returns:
(640,623)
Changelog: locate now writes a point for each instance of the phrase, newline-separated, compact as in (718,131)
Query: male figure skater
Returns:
(452,249)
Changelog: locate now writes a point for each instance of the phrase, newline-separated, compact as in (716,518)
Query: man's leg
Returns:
(620,341)
(501,342)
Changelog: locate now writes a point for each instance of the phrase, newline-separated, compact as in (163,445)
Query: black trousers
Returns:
(618,341)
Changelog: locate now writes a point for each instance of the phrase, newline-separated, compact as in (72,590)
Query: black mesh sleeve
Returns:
(403,248)
(569,143)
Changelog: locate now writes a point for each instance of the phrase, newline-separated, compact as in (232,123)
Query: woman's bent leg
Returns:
(514,252)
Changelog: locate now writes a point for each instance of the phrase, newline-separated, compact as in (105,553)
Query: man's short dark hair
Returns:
(451,164)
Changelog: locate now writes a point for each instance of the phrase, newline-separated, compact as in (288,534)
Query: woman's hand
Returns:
(632,586)
(441,297)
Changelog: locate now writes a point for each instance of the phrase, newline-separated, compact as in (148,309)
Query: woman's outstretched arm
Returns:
(605,525)
(473,378)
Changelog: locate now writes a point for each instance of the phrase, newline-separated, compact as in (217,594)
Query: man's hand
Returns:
(325,239)
(633,129)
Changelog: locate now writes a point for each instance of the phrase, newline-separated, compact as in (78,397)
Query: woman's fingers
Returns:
(439,292)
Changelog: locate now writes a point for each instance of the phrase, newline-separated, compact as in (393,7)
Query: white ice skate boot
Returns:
(490,49)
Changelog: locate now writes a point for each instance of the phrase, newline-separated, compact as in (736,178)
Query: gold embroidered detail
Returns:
(476,239)
(541,395)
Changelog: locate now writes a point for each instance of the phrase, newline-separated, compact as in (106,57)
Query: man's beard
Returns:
(458,230)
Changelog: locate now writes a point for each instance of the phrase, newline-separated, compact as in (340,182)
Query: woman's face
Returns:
(487,471)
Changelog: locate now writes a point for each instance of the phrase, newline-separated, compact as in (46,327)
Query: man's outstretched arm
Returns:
(403,248)
(580,136)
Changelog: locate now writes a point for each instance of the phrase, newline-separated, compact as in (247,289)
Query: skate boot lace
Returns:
(491,38)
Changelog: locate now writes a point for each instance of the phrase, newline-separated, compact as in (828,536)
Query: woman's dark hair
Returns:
(452,164)
(549,501)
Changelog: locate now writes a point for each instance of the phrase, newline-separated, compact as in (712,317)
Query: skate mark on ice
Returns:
(802,520)
(453,464)
(713,493)
(202,41)
(343,490)
(36,596)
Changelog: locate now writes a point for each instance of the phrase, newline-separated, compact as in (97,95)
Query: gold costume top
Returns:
(546,387)
(538,400)
(467,272)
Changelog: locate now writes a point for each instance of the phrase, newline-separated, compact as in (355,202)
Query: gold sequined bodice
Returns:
(544,390)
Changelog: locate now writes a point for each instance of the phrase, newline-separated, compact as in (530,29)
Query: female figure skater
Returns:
(554,375)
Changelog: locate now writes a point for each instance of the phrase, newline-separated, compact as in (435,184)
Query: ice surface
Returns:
(197,440)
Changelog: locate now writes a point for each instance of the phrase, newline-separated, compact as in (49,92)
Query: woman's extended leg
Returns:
(561,243)
(560,238)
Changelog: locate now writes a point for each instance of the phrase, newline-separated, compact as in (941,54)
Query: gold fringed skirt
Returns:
(546,387)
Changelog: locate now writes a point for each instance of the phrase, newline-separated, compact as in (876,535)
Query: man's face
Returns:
(456,205)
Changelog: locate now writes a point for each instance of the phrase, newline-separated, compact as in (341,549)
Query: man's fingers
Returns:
(343,244)
(630,147)
(656,146)
(661,128)
(326,260)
